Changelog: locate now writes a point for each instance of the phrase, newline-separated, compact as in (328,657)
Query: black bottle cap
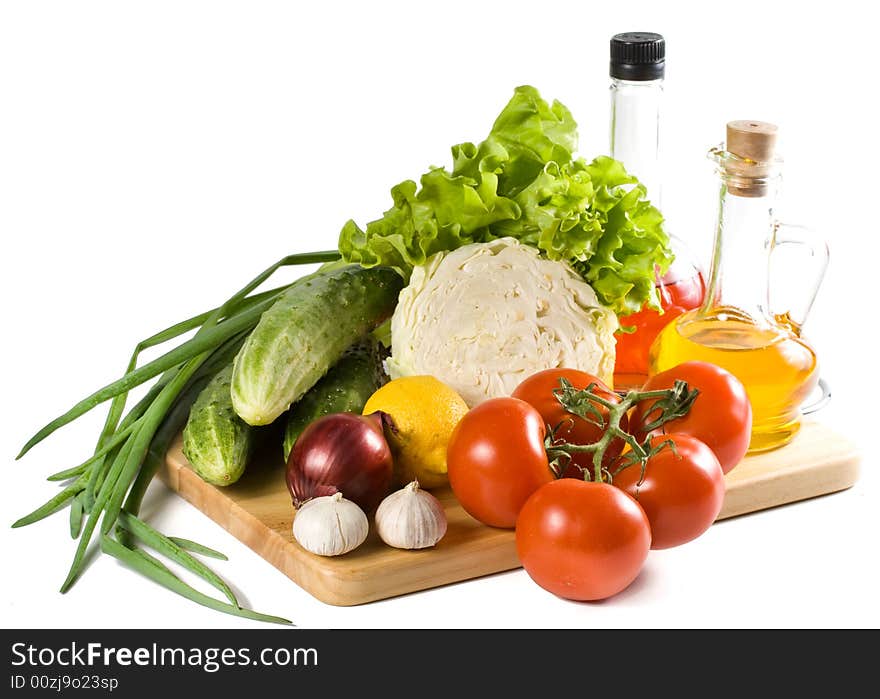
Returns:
(638,56)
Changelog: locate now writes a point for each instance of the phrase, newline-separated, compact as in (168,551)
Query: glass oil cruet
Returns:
(750,321)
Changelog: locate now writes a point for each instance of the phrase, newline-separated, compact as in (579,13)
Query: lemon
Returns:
(424,411)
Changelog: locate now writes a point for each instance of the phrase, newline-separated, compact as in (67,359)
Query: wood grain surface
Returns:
(257,511)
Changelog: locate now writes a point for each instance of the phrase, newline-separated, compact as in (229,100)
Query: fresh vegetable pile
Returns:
(308,356)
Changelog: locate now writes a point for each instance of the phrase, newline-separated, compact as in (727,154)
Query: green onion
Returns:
(76,515)
(152,568)
(109,486)
(196,547)
(94,515)
(210,335)
(68,473)
(53,505)
(175,418)
(162,544)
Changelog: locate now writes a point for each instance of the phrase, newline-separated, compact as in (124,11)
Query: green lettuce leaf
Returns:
(524,181)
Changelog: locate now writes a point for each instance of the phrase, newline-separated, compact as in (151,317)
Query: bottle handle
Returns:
(794,283)
(820,401)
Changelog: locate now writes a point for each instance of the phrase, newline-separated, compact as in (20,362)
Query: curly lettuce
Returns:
(524,181)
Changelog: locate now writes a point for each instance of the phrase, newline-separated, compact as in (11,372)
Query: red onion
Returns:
(345,453)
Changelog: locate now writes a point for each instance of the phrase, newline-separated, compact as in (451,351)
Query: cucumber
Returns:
(305,332)
(217,442)
(344,389)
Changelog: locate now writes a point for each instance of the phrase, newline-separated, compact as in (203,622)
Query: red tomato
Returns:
(582,540)
(496,459)
(721,416)
(682,491)
(537,390)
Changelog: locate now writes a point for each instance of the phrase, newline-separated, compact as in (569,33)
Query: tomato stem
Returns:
(672,403)
(676,403)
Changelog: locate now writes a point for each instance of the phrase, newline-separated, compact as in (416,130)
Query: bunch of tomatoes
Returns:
(593,480)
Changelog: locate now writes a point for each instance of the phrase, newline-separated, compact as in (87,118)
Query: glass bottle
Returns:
(750,322)
(637,71)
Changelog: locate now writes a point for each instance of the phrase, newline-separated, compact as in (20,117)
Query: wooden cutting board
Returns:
(257,511)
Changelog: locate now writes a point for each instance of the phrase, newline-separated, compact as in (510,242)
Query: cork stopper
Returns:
(753,143)
(752,140)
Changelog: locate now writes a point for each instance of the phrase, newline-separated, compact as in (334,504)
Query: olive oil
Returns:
(739,325)
(778,370)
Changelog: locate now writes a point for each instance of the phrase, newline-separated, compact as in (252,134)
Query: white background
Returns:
(156,156)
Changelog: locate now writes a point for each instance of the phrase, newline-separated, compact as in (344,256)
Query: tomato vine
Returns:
(672,403)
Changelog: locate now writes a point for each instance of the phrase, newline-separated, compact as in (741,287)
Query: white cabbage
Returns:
(486,316)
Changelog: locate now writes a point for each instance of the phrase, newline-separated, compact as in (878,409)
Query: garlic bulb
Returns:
(330,525)
(411,518)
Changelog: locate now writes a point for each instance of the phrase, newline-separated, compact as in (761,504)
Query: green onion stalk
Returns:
(104,492)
